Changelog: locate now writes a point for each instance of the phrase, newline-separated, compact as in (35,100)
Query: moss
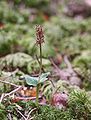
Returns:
(48,113)
(79,105)
(2,112)
(79,108)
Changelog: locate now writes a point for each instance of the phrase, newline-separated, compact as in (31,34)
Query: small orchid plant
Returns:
(37,81)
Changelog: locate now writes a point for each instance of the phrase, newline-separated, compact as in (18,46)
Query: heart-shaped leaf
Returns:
(43,77)
(31,80)
(36,80)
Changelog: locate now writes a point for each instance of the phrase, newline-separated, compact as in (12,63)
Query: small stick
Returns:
(67,62)
(6,82)
(2,96)
(8,94)
(21,114)
(11,74)
(9,116)
(14,91)
(26,99)
(30,113)
(14,72)
(9,83)
(52,83)
(57,68)
(31,118)
(5,78)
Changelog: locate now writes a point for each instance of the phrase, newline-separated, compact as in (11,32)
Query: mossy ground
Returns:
(63,35)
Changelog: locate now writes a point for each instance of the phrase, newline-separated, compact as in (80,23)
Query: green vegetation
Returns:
(21,56)
(79,108)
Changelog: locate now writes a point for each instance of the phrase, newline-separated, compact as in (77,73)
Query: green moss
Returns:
(2,112)
(48,113)
(79,108)
(79,105)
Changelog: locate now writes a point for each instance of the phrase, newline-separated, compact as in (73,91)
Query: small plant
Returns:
(39,41)
(36,81)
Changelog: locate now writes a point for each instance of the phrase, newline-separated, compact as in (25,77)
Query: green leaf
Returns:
(31,80)
(36,80)
(43,77)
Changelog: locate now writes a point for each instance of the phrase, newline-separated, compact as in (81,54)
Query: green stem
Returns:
(37,95)
(40,59)
(38,85)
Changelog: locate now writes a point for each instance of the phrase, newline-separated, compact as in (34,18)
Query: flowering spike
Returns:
(39,34)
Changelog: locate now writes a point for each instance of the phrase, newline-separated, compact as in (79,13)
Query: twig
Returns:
(9,116)
(8,94)
(2,96)
(11,74)
(5,78)
(14,91)
(21,114)
(14,72)
(31,118)
(30,113)
(9,83)
(2,79)
(26,98)
(52,83)
(67,62)
(57,68)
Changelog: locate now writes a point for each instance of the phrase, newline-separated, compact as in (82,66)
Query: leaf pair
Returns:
(34,81)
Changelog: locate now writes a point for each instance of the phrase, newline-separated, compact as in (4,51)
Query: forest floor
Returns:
(45,61)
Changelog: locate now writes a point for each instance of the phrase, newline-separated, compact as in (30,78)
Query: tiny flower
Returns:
(39,34)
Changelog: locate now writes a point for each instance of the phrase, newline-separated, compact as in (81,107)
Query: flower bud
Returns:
(39,34)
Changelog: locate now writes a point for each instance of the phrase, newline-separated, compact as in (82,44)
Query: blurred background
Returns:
(66,24)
